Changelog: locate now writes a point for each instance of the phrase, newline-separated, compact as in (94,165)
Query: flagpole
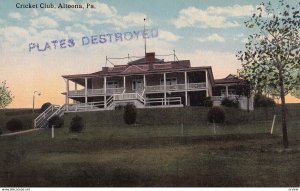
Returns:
(144,34)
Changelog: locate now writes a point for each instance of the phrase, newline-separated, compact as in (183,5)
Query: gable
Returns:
(134,69)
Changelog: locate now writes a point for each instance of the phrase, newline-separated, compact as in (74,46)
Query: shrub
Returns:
(14,124)
(130,114)
(263,101)
(230,103)
(216,114)
(76,124)
(56,121)
(208,102)
(0,131)
(119,107)
(45,106)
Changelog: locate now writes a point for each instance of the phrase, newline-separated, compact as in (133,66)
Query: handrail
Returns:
(140,98)
(109,101)
(57,112)
(42,115)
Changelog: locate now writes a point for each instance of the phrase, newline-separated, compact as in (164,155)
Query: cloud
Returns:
(62,14)
(192,17)
(212,17)
(43,22)
(235,10)
(35,13)
(130,20)
(13,35)
(168,36)
(212,38)
(15,15)
(103,8)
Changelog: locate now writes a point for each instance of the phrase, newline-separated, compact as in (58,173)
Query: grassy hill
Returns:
(156,152)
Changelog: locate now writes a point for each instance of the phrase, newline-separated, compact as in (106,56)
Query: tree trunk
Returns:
(283,110)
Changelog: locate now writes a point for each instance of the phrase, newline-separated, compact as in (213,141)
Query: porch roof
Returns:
(131,70)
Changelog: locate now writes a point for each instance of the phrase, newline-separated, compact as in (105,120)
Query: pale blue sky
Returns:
(207,32)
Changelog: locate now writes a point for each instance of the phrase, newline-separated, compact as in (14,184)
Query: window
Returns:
(169,81)
(112,84)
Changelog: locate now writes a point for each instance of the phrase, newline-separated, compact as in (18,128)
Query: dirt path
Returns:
(19,132)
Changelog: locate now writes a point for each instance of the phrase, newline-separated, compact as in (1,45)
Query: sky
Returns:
(206,32)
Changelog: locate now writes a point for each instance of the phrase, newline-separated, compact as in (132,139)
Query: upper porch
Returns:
(97,85)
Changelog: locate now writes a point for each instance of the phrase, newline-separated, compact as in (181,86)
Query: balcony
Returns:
(94,92)
(176,87)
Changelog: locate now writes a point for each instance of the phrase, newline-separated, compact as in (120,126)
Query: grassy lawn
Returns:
(106,154)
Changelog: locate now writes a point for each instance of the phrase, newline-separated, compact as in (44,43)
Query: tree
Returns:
(5,95)
(45,106)
(271,59)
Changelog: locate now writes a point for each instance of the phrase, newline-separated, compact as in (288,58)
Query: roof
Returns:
(143,61)
(228,80)
(140,67)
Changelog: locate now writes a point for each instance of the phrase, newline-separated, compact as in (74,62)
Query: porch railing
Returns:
(161,101)
(91,92)
(220,98)
(175,87)
(86,106)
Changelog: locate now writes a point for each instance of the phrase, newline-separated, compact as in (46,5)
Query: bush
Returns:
(14,125)
(208,102)
(0,131)
(56,121)
(45,106)
(216,114)
(230,103)
(130,114)
(119,107)
(76,124)
(263,101)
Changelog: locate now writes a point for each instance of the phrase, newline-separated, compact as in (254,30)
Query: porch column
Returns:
(85,90)
(104,86)
(144,89)
(226,91)
(165,89)
(124,84)
(67,95)
(206,83)
(185,87)
(75,87)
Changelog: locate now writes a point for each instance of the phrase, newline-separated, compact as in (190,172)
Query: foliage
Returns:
(119,107)
(273,48)
(76,124)
(45,106)
(130,114)
(296,92)
(263,101)
(230,103)
(208,102)
(0,131)
(14,124)
(272,56)
(56,121)
(216,115)
(5,95)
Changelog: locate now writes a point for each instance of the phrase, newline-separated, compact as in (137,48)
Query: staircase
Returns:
(42,120)
(125,98)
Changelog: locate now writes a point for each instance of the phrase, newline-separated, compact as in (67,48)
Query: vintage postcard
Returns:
(111,93)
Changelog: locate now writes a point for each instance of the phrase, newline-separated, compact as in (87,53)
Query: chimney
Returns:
(105,69)
(150,57)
